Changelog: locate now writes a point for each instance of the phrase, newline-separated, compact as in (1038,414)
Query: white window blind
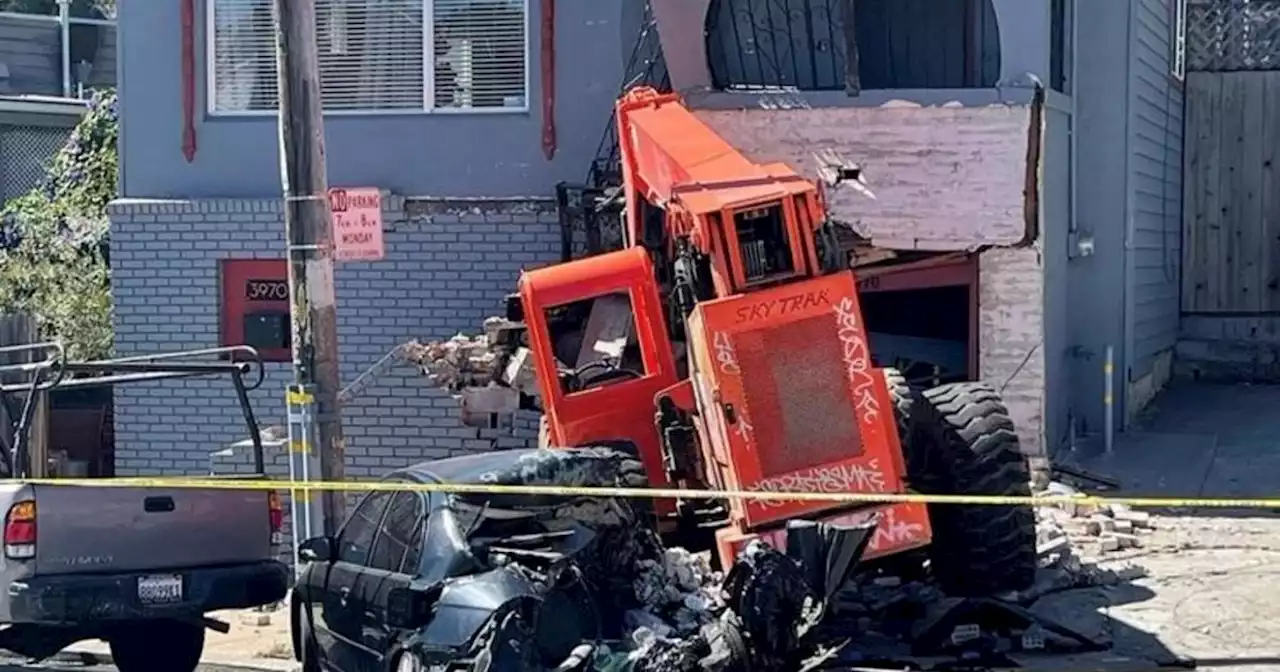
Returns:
(376,55)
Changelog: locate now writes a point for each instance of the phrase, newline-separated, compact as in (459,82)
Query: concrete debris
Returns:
(679,592)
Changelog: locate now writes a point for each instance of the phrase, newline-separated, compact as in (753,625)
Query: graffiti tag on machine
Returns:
(727,360)
(783,306)
(890,532)
(858,477)
(857,360)
(725,355)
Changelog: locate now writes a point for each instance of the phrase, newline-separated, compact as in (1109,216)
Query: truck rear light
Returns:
(20,531)
(275,514)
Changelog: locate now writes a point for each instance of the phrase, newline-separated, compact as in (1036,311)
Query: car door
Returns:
(338,630)
(397,554)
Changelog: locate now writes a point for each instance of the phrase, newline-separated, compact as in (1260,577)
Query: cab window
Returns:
(398,546)
(595,342)
(357,535)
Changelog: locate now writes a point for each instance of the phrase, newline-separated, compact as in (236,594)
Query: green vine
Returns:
(54,240)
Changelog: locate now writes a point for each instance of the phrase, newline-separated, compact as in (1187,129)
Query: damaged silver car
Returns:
(418,581)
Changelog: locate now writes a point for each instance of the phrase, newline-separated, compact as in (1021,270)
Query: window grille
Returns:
(379,55)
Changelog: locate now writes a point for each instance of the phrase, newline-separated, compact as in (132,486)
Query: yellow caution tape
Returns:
(298,397)
(640,493)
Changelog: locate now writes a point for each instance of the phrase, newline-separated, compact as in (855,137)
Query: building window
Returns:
(255,306)
(378,56)
(1061,29)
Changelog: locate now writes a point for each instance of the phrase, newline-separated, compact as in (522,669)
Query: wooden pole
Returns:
(309,233)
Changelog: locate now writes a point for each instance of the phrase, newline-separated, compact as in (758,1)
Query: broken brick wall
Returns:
(447,266)
(946,177)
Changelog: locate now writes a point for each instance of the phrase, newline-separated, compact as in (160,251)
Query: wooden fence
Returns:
(1231,193)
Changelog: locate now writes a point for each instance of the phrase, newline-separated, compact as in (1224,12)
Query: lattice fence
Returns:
(1233,35)
(25,153)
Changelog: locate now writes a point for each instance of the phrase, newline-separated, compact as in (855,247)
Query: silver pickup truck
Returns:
(137,567)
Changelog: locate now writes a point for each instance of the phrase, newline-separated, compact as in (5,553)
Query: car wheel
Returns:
(304,640)
(157,646)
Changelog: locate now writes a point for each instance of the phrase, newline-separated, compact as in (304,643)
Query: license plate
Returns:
(160,589)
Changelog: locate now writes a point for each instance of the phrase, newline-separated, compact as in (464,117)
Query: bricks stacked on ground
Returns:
(1073,538)
(448,265)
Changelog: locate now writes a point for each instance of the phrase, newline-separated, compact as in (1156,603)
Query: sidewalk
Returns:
(257,641)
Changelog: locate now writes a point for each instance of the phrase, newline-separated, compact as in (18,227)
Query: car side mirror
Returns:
(316,549)
(410,609)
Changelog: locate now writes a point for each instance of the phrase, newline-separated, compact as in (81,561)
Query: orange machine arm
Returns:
(664,146)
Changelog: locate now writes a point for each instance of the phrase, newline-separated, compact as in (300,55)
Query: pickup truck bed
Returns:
(116,563)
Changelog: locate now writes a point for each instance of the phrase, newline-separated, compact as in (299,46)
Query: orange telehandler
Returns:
(725,347)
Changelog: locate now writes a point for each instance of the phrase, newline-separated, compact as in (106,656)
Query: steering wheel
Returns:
(576,381)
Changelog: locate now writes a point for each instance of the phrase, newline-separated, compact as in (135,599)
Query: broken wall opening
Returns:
(921,315)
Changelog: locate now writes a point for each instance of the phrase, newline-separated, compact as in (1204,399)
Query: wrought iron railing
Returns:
(842,45)
(797,44)
(590,213)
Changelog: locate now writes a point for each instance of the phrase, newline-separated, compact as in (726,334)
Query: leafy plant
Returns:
(53,240)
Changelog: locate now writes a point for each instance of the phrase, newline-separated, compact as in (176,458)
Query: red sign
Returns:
(357,223)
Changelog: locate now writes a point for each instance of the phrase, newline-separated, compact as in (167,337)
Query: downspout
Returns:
(1126,349)
(549,78)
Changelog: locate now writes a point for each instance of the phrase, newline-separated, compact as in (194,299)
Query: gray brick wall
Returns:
(447,267)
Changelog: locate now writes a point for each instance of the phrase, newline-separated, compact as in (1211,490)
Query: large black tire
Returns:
(157,646)
(958,439)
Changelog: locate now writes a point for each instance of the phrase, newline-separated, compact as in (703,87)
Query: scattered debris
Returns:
(1063,531)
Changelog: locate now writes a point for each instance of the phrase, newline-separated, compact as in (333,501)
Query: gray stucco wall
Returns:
(1155,186)
(447,267)
(1128,205)
(1096,283)
(413,154)
(1055,214)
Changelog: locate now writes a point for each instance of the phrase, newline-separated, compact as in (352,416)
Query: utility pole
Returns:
(309,233)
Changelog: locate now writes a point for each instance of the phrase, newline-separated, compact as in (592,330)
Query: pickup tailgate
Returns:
(92,530)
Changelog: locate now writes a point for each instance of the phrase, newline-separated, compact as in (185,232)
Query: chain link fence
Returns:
(1233,35)
(25,154)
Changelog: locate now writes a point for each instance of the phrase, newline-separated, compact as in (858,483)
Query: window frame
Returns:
(428,75)
(414,541)
(377,527)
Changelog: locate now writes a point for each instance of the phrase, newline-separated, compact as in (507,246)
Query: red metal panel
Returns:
(798,405)
(253,289)
(901,527)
